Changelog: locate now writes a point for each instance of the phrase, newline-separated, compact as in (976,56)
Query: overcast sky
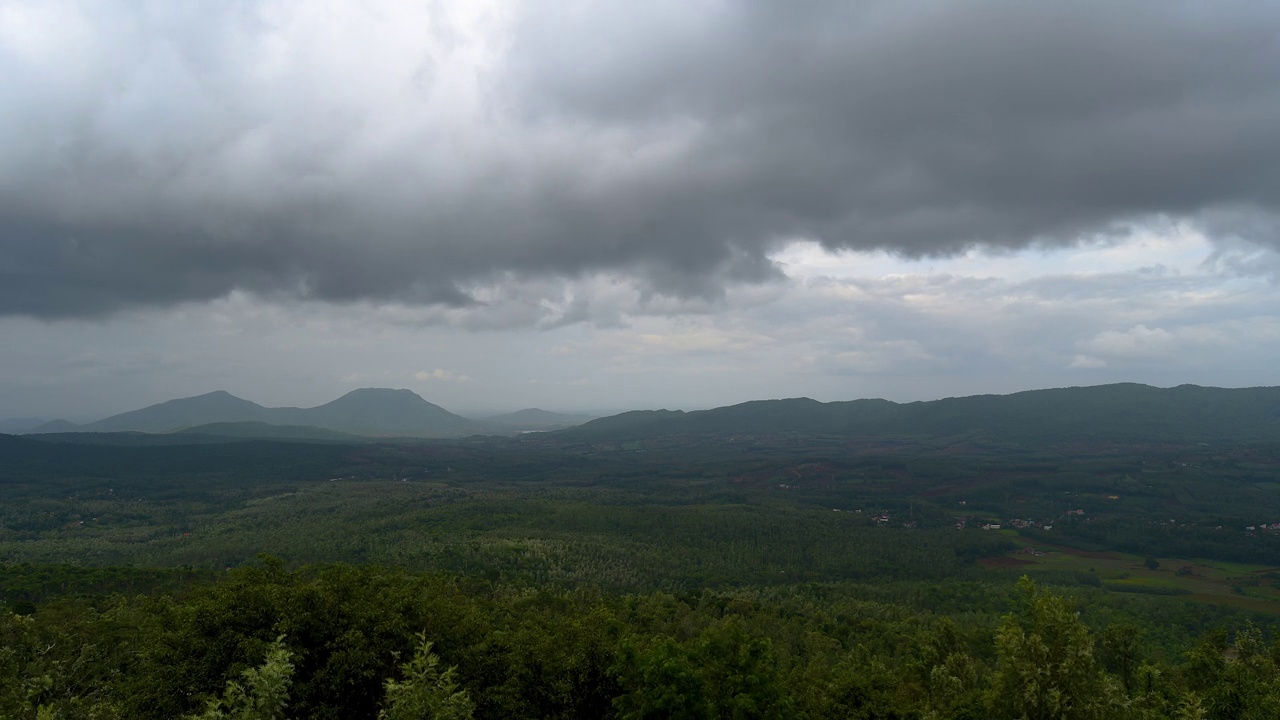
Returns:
(610,205)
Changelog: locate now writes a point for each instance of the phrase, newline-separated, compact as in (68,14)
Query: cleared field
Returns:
(1240,585)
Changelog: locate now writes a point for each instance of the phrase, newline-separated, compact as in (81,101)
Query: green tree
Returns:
(1120,651)
(949,675)
(740,674)
(952,688)
(1246,687)
(724,673)
(426,693)
(1045,666)
(665,683)
(264,694)
(59,663)
(22,681)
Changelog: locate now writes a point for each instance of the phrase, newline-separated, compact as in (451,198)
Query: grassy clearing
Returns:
(1241,585)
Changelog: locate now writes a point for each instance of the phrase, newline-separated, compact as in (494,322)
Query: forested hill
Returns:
(367,411)
(1122,412)
(188,457)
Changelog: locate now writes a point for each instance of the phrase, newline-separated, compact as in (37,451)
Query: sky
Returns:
(611,205)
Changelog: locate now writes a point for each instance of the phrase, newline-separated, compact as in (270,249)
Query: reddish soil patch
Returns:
(1003,562)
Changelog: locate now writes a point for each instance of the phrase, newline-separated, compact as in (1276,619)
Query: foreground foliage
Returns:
(344,642)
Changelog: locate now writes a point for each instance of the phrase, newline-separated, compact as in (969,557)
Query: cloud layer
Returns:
(469,157)
(1160,309)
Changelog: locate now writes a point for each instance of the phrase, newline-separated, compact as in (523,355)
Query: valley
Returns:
(753,527)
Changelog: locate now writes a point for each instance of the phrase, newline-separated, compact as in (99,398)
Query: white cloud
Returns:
(887,357)
(1158,344)
(1138,341)
(441,375)
(1087,362)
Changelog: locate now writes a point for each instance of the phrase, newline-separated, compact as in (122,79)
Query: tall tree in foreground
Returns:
(1045,666)
(264,695)
(426,693)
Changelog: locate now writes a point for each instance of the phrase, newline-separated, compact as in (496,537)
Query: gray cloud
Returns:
(156,154)
(843,326)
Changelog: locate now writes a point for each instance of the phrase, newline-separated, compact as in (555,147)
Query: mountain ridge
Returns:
(369,412)
(1123,411)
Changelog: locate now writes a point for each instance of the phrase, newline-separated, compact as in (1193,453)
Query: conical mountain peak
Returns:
(366,411)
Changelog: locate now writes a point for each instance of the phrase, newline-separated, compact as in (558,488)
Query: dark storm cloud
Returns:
(152,155)
(925,126)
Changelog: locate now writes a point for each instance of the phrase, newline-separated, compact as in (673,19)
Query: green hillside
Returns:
(1123,412)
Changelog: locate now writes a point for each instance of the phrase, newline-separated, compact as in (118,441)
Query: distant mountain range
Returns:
(1123,412)
(17,426)
(533,419)
(376,412)
(368,411)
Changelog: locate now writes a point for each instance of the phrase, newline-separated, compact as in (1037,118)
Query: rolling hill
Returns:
(380,412)
(367,412)
(53,426)
(1121,412)
(214,407)
(531,419)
